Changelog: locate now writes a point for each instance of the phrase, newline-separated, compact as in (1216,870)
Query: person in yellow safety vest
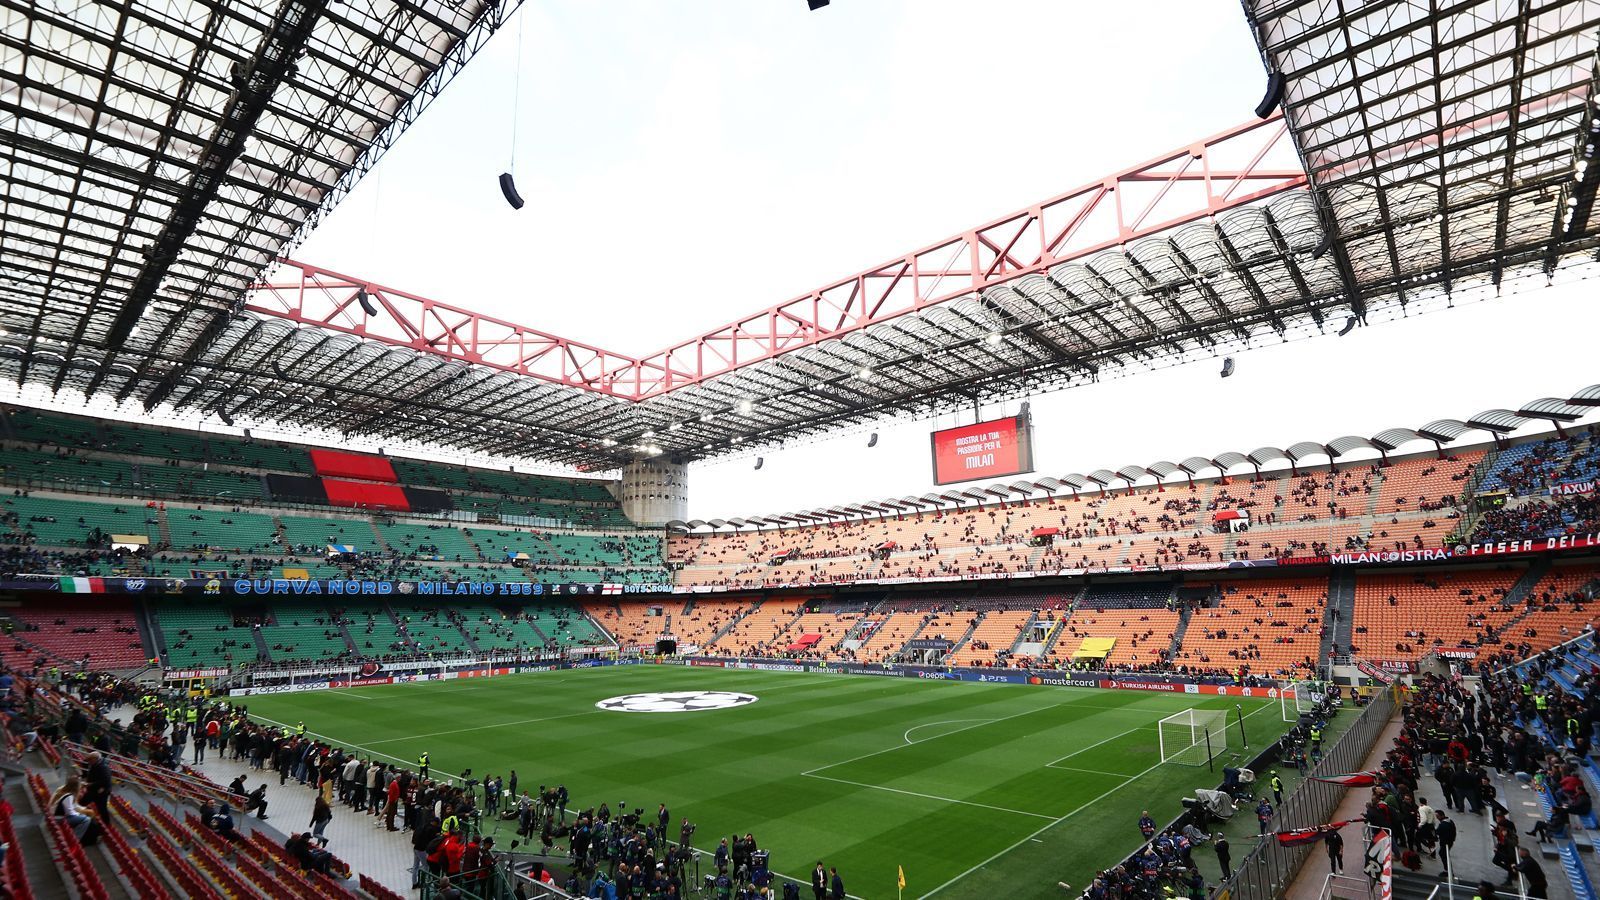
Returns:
(1276,784)
(1527,689)
(191,715)
(422,763)
(451,824)
(1573,727)
(1541,701)
(300,729)
(1316,735)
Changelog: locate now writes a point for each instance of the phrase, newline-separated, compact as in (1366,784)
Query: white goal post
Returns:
(1193,737)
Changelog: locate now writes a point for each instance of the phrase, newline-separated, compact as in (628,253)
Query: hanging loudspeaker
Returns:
(223,415)
(508,186)
(1227,367)
(1323,246)
(366,302)
(760,461)
(873,441)
(1273,96)
(1349,325)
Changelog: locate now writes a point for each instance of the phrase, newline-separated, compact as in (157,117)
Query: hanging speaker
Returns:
(1349,325)
(223,415)
(872,441)
(816,4)
(1273,96)
(366,302)
(508,186)
(1323,246)
(760,461)
(276,369)
(1227,367)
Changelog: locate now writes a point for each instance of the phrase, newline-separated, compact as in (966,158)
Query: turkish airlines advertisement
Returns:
(992,449)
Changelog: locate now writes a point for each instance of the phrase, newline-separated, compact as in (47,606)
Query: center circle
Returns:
(675,701)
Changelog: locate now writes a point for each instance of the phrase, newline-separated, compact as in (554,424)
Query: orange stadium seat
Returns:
(1272,627)
(1403,616)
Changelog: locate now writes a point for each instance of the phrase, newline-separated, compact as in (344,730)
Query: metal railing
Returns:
(1266,872)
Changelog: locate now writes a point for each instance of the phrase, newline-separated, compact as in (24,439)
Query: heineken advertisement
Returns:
(257,587)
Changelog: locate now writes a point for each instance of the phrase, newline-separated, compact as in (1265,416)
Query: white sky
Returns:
(688,163)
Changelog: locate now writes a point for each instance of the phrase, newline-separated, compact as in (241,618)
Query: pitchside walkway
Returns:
(1473,848)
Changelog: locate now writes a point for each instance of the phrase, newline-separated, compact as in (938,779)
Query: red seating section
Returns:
(59,620)
(14,876)
(353,465)
(365,496)
(68,853)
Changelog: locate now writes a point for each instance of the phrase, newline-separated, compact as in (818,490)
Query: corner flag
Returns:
(902,871)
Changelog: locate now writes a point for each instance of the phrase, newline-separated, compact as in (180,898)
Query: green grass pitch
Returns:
(978,790)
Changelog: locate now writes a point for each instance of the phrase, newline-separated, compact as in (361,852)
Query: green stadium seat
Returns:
(305,630)
(67,523)
(199,634)
(239,532)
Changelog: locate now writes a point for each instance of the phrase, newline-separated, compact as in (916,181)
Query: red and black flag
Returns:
(1352,779)
(1298,836)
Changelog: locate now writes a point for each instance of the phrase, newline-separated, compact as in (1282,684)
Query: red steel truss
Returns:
(1236,167)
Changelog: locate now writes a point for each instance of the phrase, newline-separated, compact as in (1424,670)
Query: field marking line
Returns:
(1050,825)
(349,696)
(977,724)
(1090,771)
(879,787)
(1052,764)
(1046,827)
(907,735)
(415,737)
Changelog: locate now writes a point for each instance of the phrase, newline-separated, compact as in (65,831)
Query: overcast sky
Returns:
(686,163)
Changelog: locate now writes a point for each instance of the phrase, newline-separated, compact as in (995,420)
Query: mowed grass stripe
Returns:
(740,770)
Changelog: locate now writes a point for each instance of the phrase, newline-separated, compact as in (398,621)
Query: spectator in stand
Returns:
(321,815)
(222,823)
(98,781)
(64,805)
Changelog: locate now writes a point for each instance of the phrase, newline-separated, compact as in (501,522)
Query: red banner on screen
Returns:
(352,465)
(366,496)
(993,449)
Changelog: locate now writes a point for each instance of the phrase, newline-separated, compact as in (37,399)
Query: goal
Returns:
(1193,737)
(1300,697)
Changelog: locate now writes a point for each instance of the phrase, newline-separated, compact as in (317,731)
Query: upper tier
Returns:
(46,449)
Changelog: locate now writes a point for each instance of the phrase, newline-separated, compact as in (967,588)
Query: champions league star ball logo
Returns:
(676,701)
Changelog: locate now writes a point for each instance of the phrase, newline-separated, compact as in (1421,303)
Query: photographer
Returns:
(686,833)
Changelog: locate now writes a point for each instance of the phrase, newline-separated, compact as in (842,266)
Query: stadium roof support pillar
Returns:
(655,491)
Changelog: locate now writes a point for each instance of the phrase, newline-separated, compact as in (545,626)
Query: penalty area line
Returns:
(907,736)
(1042,829)
(879,787)
(1034,837)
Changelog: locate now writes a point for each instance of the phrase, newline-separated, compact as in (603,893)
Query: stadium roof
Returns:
(1495,423)
(1424,151)
(158,156)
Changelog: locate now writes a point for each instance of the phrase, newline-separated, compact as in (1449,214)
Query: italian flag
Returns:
(82,585)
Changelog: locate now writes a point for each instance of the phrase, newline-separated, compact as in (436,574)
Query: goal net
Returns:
(1300,697)
(1193,737)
